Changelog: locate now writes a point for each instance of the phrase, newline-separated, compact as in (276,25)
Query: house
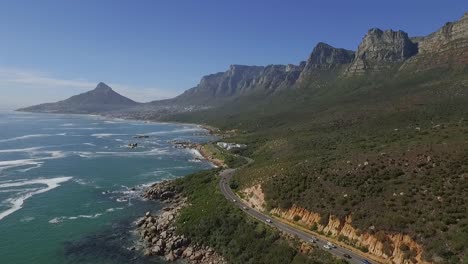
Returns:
(229,146)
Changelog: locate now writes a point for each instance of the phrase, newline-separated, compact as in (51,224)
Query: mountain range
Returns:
(379,51)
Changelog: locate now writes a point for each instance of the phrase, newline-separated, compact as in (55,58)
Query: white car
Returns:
(327,247)
(311,240)
(330,244)
(268,221)
(233,200)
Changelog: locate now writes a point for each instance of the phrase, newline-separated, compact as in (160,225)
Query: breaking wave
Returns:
(16,203)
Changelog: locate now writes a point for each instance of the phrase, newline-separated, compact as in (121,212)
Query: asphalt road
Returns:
(226,175)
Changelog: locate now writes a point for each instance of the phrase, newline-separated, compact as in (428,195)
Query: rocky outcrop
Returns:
(324,58)
(394,248)
(158,234)
(278,77)
(446,47)
(254,197)
(380,50)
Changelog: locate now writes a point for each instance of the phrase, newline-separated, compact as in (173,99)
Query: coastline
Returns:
(211,130)
(157,232)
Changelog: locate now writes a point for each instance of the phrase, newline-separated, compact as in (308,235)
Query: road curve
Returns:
(226,176)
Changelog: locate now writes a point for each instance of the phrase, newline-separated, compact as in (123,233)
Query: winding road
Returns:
(226,176)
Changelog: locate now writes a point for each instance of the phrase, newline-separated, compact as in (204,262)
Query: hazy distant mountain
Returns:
(99,100)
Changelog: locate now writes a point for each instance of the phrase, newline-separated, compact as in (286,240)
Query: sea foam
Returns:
(17,202)
(25,137)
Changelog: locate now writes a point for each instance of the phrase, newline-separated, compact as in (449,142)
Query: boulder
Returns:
(188,252)
(170,256)
(156,250)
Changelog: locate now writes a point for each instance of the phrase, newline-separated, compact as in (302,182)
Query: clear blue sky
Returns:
(154,49)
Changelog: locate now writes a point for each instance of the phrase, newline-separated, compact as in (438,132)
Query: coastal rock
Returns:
(156,250)
(159,232)
(187,252)
(170,256)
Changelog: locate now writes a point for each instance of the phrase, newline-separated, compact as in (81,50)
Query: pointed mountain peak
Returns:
(102,87)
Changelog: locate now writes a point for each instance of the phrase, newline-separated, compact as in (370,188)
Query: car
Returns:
(233,200)
(311,240)
(327,247)
(315,239)
(244,207)
(365,261)
(269,221)
(330,244)
(346,256)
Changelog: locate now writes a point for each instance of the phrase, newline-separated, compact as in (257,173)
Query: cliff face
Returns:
(325,58)
(380,50)
(278,77)
(240,80)
(394,248)
(446,47)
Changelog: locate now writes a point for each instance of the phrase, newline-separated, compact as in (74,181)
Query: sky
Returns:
(151,49)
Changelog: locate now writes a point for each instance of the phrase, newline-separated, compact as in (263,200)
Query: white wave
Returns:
(196,153)
(20,150)
(81,128)
(104,135)
(180,130)
(113,209)
(67,125)
(98,154)
(17,202)
(18,190)
(89,144)
(25,137)
(27,219)
(34,162)
(19,163)
(86,183)
(56,220)
(31,168)
(61,134)
(60,219)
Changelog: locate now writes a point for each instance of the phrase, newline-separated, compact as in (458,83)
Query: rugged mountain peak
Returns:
(102,87)
(451,31)
(379,49)
(447,47)
(326,55)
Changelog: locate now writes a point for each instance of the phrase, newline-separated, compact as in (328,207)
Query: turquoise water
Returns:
(69,185)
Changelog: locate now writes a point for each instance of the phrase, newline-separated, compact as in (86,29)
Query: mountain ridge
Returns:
(378,52)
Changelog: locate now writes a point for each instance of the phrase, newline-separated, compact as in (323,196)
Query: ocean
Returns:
(70,185)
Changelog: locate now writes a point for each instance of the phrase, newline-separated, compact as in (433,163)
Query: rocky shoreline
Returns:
(158,235)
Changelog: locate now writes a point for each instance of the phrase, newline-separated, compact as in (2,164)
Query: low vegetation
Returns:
(390,152)
(214,221)
(229,157)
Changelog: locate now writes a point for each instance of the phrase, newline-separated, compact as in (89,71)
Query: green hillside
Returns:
(390,149)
